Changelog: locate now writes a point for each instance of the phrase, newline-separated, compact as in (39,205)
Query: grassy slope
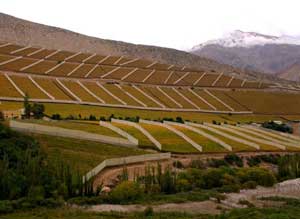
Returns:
(265,147)
(67,109)
(83,155)
(143,140)
(77,125)
(169,140)
(207,145)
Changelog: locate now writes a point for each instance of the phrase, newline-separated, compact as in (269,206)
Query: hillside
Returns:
(23,32)
(254,52)
(292,73)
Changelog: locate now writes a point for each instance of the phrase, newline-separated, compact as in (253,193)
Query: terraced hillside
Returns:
(57,76)
(190,137)
(59,63)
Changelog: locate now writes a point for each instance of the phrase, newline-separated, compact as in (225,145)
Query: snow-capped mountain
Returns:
(239,38)
(254,51)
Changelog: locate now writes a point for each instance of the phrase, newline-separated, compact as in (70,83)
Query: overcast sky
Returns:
(177,24)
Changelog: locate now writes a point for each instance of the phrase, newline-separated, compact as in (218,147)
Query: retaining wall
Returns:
(125,161)
(140,128)
(121,132)
(69,133)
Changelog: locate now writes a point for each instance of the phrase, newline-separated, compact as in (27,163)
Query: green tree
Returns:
(38,110)
(27,106)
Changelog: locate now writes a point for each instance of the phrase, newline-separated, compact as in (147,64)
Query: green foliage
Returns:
(233,159)
(27,106)
(277,127)
(289,166)
(148,211)
(177,164)
(198,164)
(28,179)
(56,116)
(125,192)
(37,110)
(261,176)
(92,118)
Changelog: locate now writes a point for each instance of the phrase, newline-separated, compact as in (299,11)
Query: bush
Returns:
(197,164)
(246,202)
(229,188)
(148,211)
(56,116)
(6,207)
(253,161)
(177,164)
(278,127)
(234,159)
(179,119)
(217,163)
(261,176)
(92,118)
(102,118)
(249,185)
(183,185)
(126,192)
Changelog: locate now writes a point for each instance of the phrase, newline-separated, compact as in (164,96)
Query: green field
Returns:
(84,110)
(264,147)
(93,127)
(143,140)
(169,140)
(236,146)
(207,145)
(80,154)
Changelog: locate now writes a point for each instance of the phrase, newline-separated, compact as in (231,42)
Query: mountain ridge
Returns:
(275,59)
(240,38)
(26,33)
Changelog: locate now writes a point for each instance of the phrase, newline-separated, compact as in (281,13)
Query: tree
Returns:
(27,106)
(38,110)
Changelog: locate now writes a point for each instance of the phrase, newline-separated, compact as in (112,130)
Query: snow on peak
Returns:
(239,38)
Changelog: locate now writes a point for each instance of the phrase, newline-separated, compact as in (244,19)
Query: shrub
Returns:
(229,188)
(253,161)
(246,202)
(148,211)
(6,207)
(56,116)
(234,159)
(178,164)
(102,118)
(261,176)
(217,163)
(249,185)
(179,119)
(92,118)
(197,164)
(183,185)
(125,192)
(38,110)
(278,127)
(212,178)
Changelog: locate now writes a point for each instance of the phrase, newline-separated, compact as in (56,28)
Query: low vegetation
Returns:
(277,127)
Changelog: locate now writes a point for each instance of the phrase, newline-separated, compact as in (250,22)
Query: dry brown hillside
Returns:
(24,32)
